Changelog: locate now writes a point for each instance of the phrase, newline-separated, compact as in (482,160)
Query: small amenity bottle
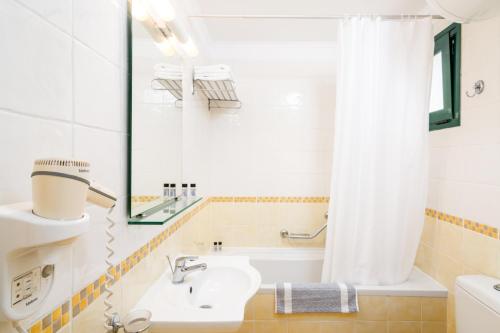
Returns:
(185,190)
(173,193)
(193,190)
(166,191)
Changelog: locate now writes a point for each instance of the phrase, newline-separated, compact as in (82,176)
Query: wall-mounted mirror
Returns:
(155,146)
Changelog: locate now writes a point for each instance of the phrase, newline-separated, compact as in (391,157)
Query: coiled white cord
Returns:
(18,327)
(108,306)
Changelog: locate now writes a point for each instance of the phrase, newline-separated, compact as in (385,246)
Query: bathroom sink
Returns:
(211,299)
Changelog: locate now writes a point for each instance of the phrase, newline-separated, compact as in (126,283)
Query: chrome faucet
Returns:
(181,270)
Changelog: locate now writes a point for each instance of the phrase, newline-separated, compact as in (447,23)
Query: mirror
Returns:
(155,115)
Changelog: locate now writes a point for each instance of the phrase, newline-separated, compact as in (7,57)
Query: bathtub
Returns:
(305,264)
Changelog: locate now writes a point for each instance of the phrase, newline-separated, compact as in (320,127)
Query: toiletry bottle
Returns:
(184,190)
(173,193)
(219,246)
(215,246)
(193,190)
(166,191)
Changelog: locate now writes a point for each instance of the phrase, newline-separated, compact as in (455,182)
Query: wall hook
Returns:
(478,88)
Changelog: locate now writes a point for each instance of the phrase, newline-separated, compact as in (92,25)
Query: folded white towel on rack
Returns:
(167,71)
(213,73)
(220,68)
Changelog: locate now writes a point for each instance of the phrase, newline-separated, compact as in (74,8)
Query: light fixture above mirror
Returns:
(159,18)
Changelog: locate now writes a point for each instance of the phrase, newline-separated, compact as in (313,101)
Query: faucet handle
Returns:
(181,261)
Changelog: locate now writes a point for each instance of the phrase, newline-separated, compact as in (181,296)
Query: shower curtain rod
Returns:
(305,17)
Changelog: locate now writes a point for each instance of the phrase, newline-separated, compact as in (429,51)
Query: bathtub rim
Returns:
(419,284)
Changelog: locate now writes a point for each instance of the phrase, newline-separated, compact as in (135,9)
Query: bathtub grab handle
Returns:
(285,234)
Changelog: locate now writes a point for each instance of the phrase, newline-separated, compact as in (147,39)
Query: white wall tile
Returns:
(35,63)
(58,12)
(24,139)
(480,203)
(101,24)
(89,251)
(481,164)
(99,100)
(480,125)
(106,152)
(465,160)
(39,98)
(480,54)
(279,142)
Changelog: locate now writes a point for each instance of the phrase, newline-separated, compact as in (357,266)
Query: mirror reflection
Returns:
(156,188)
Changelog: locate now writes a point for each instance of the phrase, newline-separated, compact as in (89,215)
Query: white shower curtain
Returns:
(379,176)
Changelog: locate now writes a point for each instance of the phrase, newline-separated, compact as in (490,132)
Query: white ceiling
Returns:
(284,30)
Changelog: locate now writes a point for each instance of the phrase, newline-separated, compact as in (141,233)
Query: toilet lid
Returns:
(482,288)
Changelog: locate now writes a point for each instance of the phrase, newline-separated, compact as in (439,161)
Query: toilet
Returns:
(477,304)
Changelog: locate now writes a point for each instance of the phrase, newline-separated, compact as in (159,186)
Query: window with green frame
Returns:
(444,111)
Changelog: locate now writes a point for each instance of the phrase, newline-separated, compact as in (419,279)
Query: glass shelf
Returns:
(164,211)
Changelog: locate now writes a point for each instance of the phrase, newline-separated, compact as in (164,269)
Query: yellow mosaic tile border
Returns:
(60,317)
(465,223)
(53,321)
(271,199)
(144,198)
(481,228)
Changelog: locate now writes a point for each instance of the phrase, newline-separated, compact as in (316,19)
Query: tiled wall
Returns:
(465,172)
(465,160)
(450,247)
(257,221)
(280,141)
(62,94)
(188,233)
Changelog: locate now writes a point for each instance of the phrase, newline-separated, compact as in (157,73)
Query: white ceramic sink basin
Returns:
(211,299)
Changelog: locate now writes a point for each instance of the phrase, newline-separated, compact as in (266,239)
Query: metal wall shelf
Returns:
(220,93)
(173,86)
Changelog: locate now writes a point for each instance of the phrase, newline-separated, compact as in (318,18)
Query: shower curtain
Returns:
(379,173)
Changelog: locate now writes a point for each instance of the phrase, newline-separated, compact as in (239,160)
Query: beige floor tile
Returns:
(264,307)
(250,309)
(246,327)
(270,326)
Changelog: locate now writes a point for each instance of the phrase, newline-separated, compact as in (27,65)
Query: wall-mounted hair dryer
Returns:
(61,187)
(31,232)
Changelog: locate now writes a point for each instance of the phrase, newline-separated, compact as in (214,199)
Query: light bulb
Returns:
(166,47)
(139,10)
(163,9)
(190,48)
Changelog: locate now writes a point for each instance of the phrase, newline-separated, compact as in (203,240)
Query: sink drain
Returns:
(205,306)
